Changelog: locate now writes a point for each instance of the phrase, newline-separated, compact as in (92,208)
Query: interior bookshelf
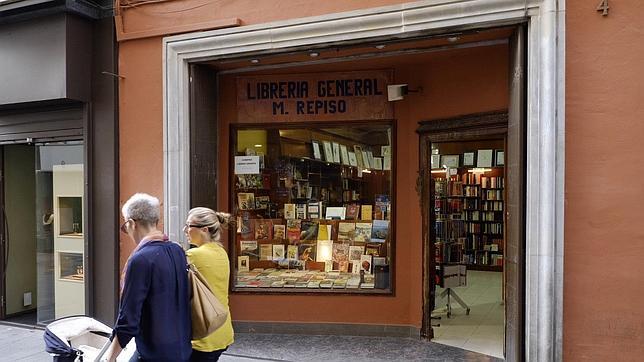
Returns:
(469,218)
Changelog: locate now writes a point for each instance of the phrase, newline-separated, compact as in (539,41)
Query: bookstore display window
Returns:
(468,196)
(313,208)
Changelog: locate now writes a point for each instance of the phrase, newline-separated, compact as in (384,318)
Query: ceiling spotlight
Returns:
(453,39)
(380,46)
(254,61)
(313,54)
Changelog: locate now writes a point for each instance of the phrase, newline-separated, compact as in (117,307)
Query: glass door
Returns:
(60,238)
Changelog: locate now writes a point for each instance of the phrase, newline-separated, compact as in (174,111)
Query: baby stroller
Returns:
(81,339)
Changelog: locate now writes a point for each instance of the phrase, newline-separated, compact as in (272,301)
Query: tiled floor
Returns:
(482,330)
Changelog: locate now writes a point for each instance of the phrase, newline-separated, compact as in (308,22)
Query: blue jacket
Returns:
(155,304)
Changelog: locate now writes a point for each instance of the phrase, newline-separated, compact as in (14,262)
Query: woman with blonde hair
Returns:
(203,228)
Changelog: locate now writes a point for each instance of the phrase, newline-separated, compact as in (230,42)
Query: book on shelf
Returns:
(365,263)
(368,282)
(366,212)
(249,248)
(265,251)
(362,232)
(308,230)
(353,282)
(340,252)
(261,202)
(279,232)
(300,211)
(381,209)
(246,200)
(346,231)
(352,211)
(306,252)
(293,229)
(338,213)
(372,249)
(246,228)
(263,229)
(278,251)
(379,231)
(325,232)
(291,252)
(289,211)
(243,263)
(324,250)
(355,252)
(314,209)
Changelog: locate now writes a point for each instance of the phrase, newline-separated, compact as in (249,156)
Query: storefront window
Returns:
(314,208)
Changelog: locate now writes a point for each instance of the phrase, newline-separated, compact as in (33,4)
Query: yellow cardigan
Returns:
(212,262)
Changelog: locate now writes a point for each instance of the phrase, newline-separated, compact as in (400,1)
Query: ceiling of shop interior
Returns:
(412,49)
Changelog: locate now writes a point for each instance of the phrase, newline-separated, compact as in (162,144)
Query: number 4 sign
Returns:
(603,7)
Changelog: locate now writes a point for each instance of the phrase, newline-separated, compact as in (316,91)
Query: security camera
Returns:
(397,92)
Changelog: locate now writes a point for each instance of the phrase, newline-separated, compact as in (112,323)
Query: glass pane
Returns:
(313,208)
(59,230)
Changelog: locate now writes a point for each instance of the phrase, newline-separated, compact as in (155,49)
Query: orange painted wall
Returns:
(454,83)
(604,239)
(603,317)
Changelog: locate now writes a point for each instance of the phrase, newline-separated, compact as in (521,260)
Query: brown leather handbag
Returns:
(208,314)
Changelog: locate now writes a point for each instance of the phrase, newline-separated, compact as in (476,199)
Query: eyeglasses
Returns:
(188,226)
(124,225)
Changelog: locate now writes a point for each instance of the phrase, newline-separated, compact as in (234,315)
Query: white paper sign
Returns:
(246,165)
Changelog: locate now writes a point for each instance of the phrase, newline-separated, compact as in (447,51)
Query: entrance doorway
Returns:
(465,224)
(43,248)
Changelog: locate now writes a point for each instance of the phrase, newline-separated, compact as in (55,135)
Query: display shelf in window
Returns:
(70,216)
(71,266)
(294,248)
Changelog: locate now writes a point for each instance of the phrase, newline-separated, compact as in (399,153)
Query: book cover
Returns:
(279,232)
(263,229)
(325,232)
(368,282)
(306,252)
(246,228)
(341,255)
(363,231)
(344,155)
(355,252)
(366,212)
(336,152)
(309,230)
(291,252)
(278,251)
(352,211)
(379,231)
(300,211)
(243,263)
(353,160)
(265,252)
(372,249)
(314,210)
(261,202)
(246,200)
(358,152)
(289,211)
(249,248)
(365,263)
(293,229)
(324,250)
(338,213)
(346,231)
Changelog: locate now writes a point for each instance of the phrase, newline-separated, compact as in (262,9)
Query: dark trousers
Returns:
(198,356)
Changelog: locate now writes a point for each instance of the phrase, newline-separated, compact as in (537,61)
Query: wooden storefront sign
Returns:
(346,96)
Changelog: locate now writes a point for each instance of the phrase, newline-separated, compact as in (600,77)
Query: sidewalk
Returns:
(21,344)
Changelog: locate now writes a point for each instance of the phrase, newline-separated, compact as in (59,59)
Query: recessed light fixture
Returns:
(254,61)
(258,146)
(380,46)
(453,39)
(313,54)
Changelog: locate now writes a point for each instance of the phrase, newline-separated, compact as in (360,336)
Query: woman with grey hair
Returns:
(155,294)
